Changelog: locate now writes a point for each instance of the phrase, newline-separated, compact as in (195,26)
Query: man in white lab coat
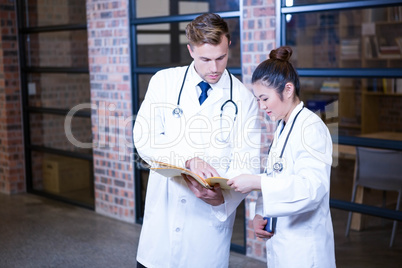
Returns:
(186,225)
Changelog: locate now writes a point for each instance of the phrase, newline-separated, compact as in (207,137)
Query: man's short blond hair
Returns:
(207,28)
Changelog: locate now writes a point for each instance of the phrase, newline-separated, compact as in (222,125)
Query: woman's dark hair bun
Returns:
(282,53)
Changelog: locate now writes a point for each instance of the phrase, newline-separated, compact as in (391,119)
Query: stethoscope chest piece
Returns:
(177,112)
(278,167)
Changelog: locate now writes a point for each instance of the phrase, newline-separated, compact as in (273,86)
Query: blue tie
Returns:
(204,88)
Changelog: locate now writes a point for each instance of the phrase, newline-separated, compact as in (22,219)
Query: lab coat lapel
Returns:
(280,138)
(189,99)
(288,125)
(192,103)
(217,92)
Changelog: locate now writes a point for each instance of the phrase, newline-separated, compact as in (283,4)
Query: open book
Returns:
(169,170)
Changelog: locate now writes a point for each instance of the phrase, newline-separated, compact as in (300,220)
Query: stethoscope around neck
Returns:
(278,166)
(178,111)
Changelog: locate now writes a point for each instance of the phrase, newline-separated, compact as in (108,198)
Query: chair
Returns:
(378,169)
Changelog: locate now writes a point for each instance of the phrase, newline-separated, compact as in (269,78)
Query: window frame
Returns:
(282,11)
(27,110)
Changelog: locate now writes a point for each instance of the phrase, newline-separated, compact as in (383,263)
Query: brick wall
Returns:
(258,39)
(12,178)
(109,64)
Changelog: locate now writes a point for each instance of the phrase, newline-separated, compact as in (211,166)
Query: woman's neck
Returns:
(292,107)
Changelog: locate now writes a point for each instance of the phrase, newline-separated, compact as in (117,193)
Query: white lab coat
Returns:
(299,195)
(180,230)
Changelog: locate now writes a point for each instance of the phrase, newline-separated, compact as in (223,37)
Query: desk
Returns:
(385,135)
(349,152)
(344,151)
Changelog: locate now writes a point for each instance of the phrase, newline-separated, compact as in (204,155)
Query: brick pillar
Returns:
(12,179)
(258,39)
(109,65)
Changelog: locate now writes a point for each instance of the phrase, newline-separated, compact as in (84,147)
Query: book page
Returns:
(168,170)
(222,182)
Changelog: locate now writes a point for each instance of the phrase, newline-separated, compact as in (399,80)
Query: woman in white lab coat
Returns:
(296,185)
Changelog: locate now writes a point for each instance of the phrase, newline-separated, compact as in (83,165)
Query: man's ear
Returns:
(190,50)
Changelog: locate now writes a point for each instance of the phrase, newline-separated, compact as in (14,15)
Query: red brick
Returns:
(12,179)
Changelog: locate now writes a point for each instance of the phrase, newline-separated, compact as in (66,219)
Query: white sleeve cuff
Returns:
(259,207)
(220,212)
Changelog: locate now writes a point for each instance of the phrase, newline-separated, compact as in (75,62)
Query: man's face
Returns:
(210,61)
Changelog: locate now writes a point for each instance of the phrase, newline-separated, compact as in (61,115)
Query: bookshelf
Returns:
(370,38)
(352,39)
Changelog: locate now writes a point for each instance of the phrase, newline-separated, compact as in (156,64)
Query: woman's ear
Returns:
(289,90)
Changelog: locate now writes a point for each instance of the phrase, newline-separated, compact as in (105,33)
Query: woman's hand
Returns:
(259,225)
(245,183)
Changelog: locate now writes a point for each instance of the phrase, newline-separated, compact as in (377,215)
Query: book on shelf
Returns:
(387,39)
(373,49)
(330,86)
(388,85)
(389,52)
(372,84)
(384,85)
(395,13)
(398,85)
(169,170)
(317,105)
(370,47)
(368,28)
(399,43)
(350,48)
(378,14)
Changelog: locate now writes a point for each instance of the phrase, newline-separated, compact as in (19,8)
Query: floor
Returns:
(39,232)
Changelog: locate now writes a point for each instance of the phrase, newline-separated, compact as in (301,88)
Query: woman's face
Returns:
(270,101)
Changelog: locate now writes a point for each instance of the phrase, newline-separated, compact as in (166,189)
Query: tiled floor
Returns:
(39,232)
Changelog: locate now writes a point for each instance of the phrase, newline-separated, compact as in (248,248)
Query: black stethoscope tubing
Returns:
(182,85)
(177,112)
